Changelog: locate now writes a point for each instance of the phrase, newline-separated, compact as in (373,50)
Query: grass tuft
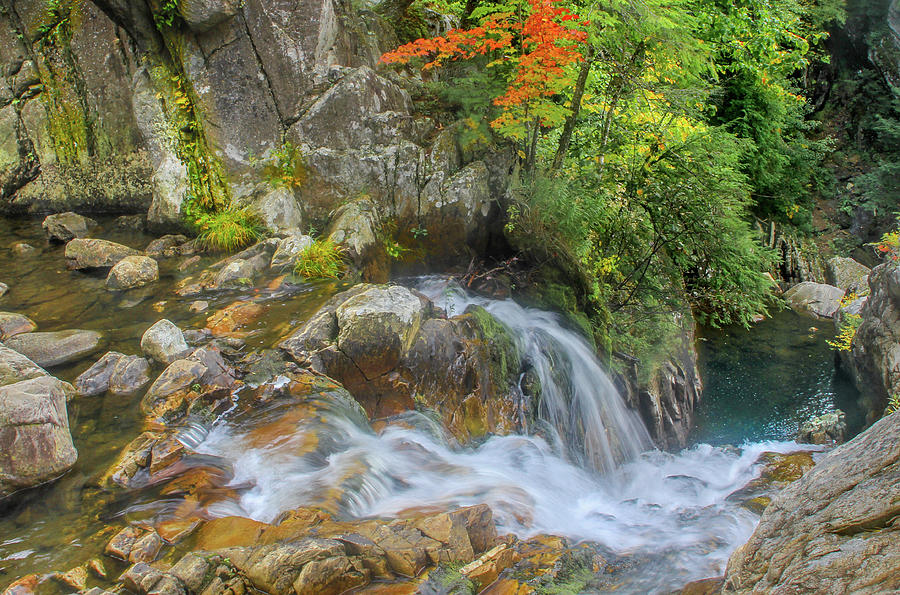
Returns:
(322,260)
(228,230)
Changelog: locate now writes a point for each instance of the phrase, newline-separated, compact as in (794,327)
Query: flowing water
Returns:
(585,470)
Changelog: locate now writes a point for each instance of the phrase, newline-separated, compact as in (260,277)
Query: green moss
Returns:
(504,355)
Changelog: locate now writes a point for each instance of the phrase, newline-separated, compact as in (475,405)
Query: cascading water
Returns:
(668,511)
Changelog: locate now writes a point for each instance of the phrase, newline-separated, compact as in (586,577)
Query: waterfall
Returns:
(578,402)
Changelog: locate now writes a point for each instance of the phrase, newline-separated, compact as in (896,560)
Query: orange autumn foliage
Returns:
(540,50)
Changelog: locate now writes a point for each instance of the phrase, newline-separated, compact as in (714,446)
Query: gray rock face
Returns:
(95,254)
(203,15)
(35,443)
(834,530)
(12,324)
(874,359)
(355,228)
(815,299)
(163,342)
(56,348)
(132,272)
(847,274)
(15,367)
(67,226)
(114,372)
(830,428)
(279,211)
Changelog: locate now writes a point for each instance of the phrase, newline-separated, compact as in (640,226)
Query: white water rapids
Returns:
(667,510)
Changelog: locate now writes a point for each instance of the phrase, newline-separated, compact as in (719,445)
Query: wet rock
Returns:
(163,342)
(487,568)
(199,306)
(778,470)
(35,443)
(830,428)
(75,578)
(874,358)
(64,227)
(4,288)
(165,246)
(815,299)
(233,317)
(707,586)
(132,222)
(237,272)
(132,272)
(56,348)
(27,585)
(114,372)
(181,374)
(288,250)
(388,346)
(15,367)
(835,531)
(93,254)
(133,458)
(847,274)
(12,324)
(96,566)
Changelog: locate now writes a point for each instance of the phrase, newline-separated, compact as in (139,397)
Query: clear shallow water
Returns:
(668,510)
(762,383)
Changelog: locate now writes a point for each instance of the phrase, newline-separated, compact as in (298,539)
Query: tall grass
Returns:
(228,230)
(323,259)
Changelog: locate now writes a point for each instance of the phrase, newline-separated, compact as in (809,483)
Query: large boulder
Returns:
(15,367)
(815,299)
(279,211)
(392,349)
(203,15)
(64,227)
(356,227)
(95,254)
(132,272)
(847,274)
(35,443)
(163,342)
(874,357)
(835,530)
(12,324)
(56,348)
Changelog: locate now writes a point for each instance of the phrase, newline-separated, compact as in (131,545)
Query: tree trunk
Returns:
(569,126)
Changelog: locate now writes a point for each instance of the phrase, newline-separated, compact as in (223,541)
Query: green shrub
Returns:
(228,230)
(322,260)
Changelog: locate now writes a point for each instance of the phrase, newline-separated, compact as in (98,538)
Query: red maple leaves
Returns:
(540,49)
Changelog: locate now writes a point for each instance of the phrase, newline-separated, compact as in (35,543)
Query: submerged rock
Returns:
(165,246)
(132,272)
(163,342)
(12,324)
(35,443)
(816,299)
(65,227)
(835,530)
(95,254)
(56,348)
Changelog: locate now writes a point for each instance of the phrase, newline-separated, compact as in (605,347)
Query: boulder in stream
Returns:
(163,342)
(95,254)
(815,299)
(12,324)
(830,428)
(56,348)
(35,443)
(64,227)
(132,272)
(114,372)
(847,274)
(15,367)
(833,531)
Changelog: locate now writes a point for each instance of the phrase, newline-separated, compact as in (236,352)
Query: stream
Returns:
(586,470)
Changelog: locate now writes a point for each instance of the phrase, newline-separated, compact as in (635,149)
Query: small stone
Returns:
(23,249)
(164,453)
(75,578)
(830,428)
(3,289)
(132,272)
(199,306)
(188,263)
(233,317)
(12,324)
(146,548)
(96,566)
(237,272)
(26,585)
(67,226)
(163,342)
(163,246)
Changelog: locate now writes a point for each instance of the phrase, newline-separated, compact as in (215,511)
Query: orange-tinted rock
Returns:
(75,578)
(229,531)
(146,548)
(487,568)
(96,566)
(508,586)
(173,532)
(233,317)
(24,586)
(121,544)
(164,453)
(707,586)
